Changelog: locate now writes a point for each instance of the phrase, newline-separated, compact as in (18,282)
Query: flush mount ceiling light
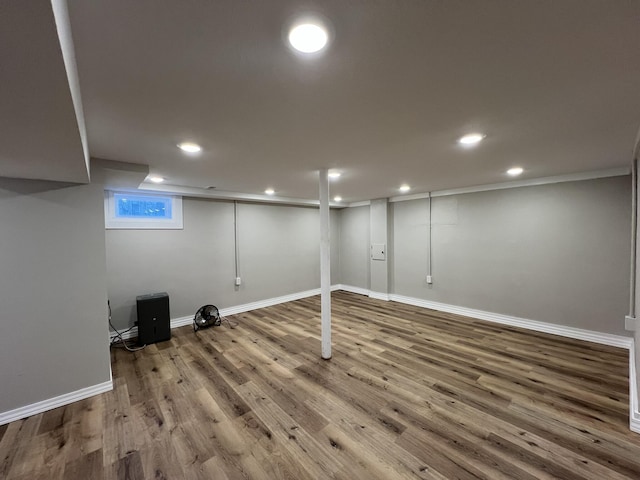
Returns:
(156,179)
(515,171)
(471,139)
(189,147)
(334,175)
(337,199)
(269,191)
(405,188)
(308,37)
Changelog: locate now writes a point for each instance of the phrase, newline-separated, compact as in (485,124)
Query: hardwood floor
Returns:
(409,393)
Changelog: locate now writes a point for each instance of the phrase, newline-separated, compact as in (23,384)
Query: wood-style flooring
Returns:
(409,393)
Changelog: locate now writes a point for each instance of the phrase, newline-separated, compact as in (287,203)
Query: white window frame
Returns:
(111,222)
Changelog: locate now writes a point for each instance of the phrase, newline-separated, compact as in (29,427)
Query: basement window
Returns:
(127,210)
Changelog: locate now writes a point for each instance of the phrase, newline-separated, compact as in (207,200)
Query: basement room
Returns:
(319,239)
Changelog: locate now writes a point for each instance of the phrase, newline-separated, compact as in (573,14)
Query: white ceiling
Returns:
(553,84)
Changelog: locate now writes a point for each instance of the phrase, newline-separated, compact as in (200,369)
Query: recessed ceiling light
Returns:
(189,147)
(308,37)
(156,179)
(337,199)
(269,191)
(405,188)
(471,139)
(515,171)
(334,175)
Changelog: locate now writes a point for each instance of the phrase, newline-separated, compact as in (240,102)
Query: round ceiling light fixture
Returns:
(189,147)
(308,37)
(334,175)
(471,139)
(269,191)
(156,179)
(337,199)
(405,188)
(515,171)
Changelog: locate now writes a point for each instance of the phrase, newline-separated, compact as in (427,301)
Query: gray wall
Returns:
(354,246)
(555,253)
(53,320)
(279,255)
(280,250)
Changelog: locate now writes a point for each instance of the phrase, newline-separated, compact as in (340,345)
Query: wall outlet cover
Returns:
(630,323)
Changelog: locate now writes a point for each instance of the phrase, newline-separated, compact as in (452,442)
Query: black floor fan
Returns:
(206,316)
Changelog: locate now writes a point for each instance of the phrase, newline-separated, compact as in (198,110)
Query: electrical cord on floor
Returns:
(230,323)
(118,341)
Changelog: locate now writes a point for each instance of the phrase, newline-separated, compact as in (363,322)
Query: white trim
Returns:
(364,203)
(572,177)
(379,295)
(562,330)
(55,402)
(227,195)
(268,302)
(413,196)
(352,289)
(188,320)
(181,321)
(634,412)
(133,333)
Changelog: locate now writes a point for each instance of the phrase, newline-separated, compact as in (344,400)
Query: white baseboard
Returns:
(352,289)
(181,321)
(55,402)
(133,333)
(564,331)
(246,307)
(634,412)
(379,295)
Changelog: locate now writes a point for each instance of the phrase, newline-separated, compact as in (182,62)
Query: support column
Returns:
(325,265)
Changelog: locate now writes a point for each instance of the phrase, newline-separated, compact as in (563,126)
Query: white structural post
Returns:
(325,265)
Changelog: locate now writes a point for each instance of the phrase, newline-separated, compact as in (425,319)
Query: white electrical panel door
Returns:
(378,251)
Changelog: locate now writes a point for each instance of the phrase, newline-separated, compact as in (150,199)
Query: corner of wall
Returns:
(634,412)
